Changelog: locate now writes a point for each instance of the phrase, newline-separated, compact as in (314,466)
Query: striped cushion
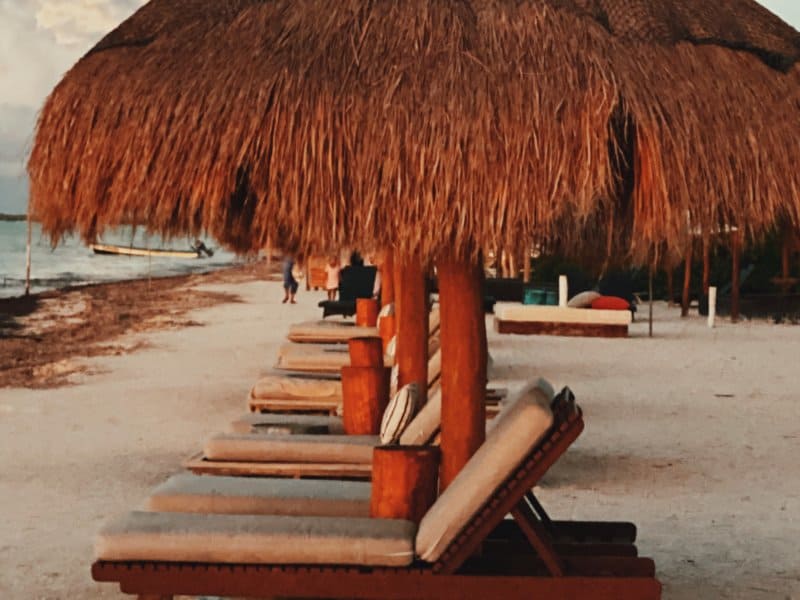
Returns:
(399,413)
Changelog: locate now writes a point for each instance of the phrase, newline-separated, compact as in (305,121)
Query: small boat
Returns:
(197,251)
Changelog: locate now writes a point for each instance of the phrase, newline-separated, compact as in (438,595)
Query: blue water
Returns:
(71,262)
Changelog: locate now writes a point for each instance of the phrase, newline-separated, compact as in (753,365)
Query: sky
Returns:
(41,39)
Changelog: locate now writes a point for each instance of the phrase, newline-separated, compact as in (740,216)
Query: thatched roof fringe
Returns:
(432,126)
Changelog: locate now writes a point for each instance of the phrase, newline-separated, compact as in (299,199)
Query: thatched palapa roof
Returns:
(436,125)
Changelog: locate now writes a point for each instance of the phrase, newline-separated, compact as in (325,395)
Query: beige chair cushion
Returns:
(278,387)
(434,367)
(187,492)
(328,331)
(434,320)
(256,539)
(283,423)
(518,428)
(313,357)
(347,449)
(426,423)
(556,314)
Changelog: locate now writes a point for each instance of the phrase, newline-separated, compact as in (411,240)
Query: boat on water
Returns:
(199,250)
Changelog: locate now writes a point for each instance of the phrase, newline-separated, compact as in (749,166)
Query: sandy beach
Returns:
(692,435)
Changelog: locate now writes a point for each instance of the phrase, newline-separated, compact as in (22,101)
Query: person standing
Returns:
(290,284)
(332,270)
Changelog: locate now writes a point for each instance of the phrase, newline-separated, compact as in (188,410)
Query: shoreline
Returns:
(46,337)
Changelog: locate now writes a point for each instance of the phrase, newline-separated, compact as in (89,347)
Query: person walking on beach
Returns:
(332,270)
(290,284)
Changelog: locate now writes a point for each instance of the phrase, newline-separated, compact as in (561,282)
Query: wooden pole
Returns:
(365,395)
(367,312)
(736,256)
(28,255)
(712,306)
(670,285)
(706,264)
(526,267)
(464,356)
(404,482)
(387,278)
(365,352)
(411,309)
(687,282)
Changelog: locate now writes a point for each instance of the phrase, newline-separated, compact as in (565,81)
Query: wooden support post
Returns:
(687,282)
(464,356)
(367,312)
(387,329)
(365,395)
(670,285)
(706,264)
(526,267)
(411,310)
(404,482)
(366,352)
(387,278)
(28,246)
(736,256)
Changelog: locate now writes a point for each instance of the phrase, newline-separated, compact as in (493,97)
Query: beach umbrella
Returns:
(432,127)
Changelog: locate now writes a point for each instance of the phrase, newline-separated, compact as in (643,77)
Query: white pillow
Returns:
(391,349)
(399,413)
(394,380)
(583,300)
(387,311)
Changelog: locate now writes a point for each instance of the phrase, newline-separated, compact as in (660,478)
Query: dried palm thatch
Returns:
(432,125)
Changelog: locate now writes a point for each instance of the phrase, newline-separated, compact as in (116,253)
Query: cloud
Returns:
(82,22)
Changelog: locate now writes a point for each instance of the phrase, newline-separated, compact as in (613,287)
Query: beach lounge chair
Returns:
(354,282)
(339,332)
(295,393)
(555,320)
(156,554)
(306,453)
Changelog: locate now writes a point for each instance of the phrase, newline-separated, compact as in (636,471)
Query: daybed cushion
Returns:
(518,428)
(277,387)
(610,303)
(583,300)
(399,412)
(313,357)
(556,314)
(426,423)
(328,331)
(277,423)
(254,447)
(256,539)
(187,492)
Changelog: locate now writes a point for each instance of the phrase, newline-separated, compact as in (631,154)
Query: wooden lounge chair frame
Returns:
(461,572)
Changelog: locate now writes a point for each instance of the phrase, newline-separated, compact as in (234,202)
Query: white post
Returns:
(28,256)
(712,306)
(563,291)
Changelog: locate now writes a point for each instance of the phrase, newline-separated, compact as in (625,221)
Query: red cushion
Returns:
(611,303)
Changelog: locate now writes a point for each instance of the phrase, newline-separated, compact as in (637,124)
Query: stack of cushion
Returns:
(592,299)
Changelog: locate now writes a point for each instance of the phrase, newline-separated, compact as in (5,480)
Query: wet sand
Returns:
(693,435)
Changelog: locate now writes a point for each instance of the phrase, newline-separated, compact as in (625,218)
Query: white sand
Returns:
(712,481)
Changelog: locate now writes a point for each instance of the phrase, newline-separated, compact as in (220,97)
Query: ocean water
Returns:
(71,262)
